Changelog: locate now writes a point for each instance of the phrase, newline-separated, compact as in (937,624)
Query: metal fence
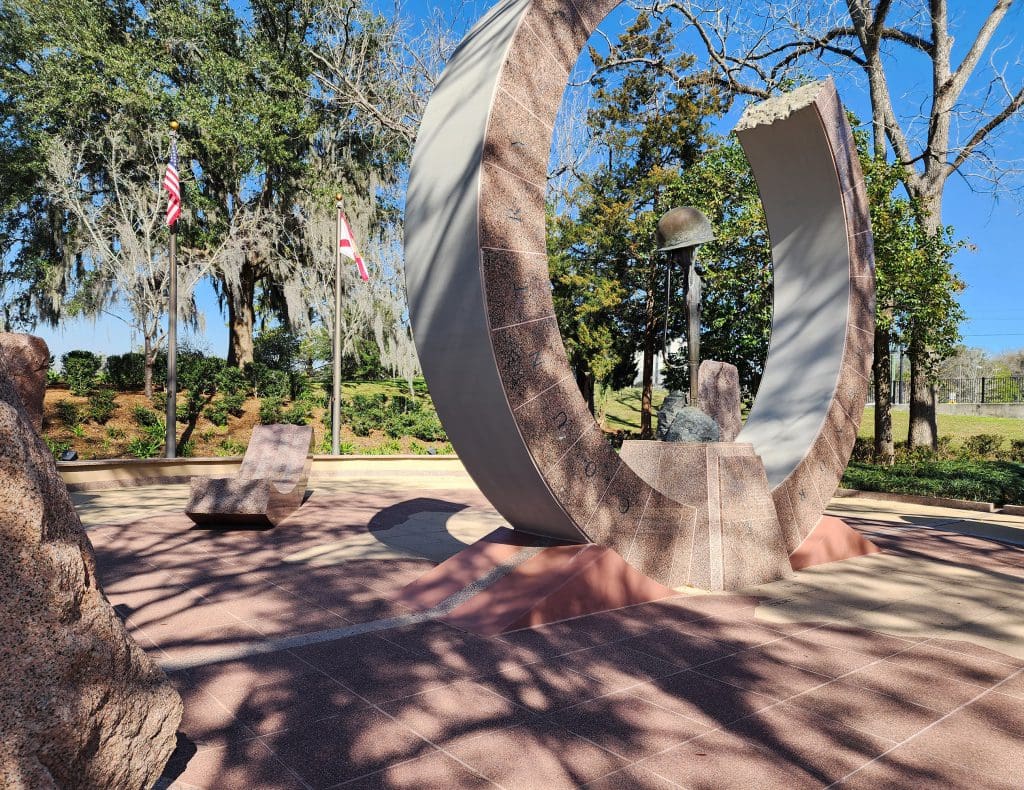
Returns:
(992,389)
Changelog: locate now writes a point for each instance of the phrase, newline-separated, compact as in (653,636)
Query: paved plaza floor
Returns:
(300,669)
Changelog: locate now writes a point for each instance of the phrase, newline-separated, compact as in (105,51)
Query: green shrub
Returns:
(230,447)
(300,384)
(57,447)
(390,447)
(217,413)
(266,382)
(234,402)
(69,413)
(101,405)
(364,424)
(863,449)
(199,373)
(299,413)
(234,381)
(983,445)
(188,409)
(145,417)
(428,427)
(126,372)
(159,401)
(1017,450)
(145,447)
(116,433)
(985,481)
(186,449)
(277,348)
(270,411)
(80,369)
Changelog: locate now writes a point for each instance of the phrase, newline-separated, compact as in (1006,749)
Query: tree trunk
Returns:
(884,449)
(647,380)
(150,359)
(241,299)
(923,431)
(585,381)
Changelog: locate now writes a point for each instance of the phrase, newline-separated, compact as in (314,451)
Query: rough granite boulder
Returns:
(718,395)
(81,706)
(670,407)
(28,359)
(690,424)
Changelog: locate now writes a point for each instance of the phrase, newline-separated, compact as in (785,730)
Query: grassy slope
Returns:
(111,440)
(958,427)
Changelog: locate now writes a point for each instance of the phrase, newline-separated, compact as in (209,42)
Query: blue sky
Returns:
(992,223)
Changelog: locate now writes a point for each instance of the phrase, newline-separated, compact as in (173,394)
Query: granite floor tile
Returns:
(627,726)
(328,752)
(972,649)
(242,765)
(544,687)
(205,645)
(617,665)
(1013,686)
(701,698)
(207,723)
(910,769)
(734,634)
(825,748)
(275,691)
(938,661)
(762,674)
(679,648)
(906,682)
(725,760)
(866,710)
(859,640)
(803,652)
(374,668)
(633,777)
(967,740)
(462,708)
(462,652)
(435,770)
(993,709)
(532,757)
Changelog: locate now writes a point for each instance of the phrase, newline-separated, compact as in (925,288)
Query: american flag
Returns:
(171,185)
(347,245)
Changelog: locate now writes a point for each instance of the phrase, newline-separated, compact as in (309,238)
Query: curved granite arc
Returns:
(485,327)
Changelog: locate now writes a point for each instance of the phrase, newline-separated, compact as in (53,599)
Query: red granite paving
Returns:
(688,692)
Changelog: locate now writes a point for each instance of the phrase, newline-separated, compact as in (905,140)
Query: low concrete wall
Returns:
(1014,410)
(125,473)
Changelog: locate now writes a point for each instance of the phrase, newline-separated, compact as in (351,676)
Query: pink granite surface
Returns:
(81,705)
(718,396)
(685,692)
(27,359)
(734,538)
(607,500)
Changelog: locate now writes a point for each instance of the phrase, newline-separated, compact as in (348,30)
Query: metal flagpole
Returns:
(336,351)
(172,333)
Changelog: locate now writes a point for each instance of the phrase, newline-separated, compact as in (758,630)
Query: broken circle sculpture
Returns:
(488,339)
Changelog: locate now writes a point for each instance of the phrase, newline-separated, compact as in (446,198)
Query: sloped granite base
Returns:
(736,540)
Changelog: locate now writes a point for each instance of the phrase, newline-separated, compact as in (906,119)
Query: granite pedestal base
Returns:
(552,583)
(830,541)
(736,540)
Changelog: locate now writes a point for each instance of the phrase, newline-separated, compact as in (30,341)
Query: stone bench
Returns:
(269,486)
